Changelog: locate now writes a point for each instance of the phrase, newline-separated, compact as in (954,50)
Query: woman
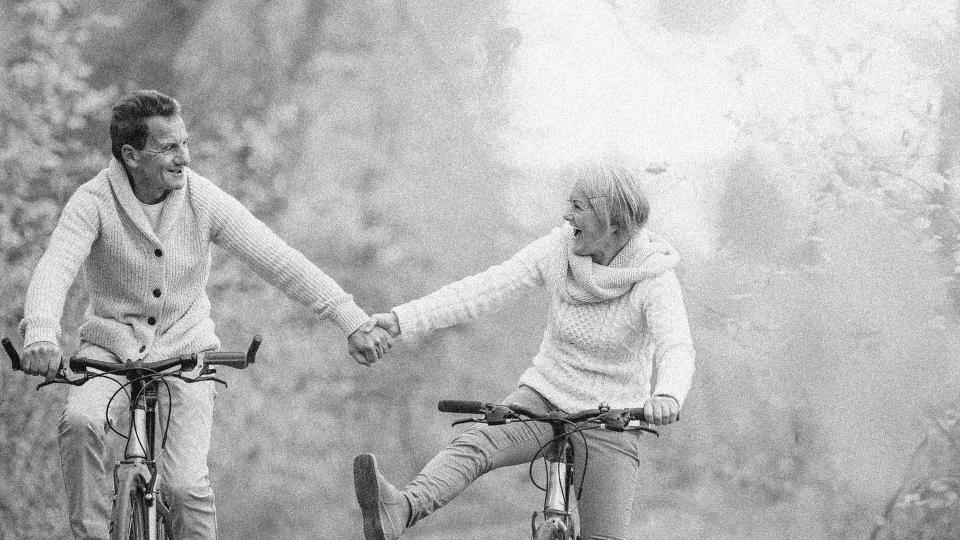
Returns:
(618,334)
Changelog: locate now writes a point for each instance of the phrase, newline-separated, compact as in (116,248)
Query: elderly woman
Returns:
(618,334)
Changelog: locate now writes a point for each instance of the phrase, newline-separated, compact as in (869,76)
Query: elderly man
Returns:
(142,231)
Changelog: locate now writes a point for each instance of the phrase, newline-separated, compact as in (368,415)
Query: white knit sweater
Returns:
(147,288)
(617,333)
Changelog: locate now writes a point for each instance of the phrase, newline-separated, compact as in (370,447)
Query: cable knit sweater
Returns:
(147,289)
(617,333)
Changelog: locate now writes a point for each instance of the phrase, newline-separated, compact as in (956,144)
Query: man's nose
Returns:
(183,156)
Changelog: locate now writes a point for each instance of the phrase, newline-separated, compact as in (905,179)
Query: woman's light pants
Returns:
(606,503)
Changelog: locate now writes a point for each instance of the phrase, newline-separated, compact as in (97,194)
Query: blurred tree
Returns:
(48,110)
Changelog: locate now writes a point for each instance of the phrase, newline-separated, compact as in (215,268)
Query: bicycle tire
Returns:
(129,519)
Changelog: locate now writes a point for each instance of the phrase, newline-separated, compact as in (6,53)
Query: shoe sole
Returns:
(368,495)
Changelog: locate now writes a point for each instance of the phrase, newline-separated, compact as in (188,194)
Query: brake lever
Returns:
(75,382)
(202,377)
(614,422)
(465,421)
(206,370)
(648,430)
(66,375)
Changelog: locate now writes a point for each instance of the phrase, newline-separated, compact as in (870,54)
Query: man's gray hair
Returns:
(128,123)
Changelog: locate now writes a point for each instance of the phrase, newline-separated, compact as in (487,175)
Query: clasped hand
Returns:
(369,343)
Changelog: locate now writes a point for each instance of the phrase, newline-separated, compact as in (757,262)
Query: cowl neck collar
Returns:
(123,191)
(645,256)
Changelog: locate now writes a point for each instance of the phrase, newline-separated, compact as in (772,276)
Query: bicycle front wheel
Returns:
(129,520)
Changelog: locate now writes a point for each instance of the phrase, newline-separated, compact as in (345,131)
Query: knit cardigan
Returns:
(147,289)
(617,333)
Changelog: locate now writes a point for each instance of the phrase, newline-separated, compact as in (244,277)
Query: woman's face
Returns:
(590,238)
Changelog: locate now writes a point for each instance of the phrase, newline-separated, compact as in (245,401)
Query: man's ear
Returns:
(130,155)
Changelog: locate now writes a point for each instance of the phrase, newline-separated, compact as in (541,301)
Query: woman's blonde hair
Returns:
(614,192)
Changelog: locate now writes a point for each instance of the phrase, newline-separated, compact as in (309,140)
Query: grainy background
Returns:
(800,153)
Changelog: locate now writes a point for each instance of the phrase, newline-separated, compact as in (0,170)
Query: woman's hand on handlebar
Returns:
(661,410)
(41,358)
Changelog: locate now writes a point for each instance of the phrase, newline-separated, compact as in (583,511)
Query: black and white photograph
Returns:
(485,270)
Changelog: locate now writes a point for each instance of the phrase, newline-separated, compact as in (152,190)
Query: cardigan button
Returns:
(156,293)
(158,252)
(152,321)
(143,348)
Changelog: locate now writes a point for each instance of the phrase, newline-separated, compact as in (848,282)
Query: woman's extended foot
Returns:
(385,510)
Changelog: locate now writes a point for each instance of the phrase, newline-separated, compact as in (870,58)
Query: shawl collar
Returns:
(123,191)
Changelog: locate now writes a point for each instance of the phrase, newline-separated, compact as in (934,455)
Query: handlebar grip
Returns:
(252,350)
(12,353)
(230,359)
(460,406)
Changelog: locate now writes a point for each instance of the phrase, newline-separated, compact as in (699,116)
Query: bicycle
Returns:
(139,510)
(556,521)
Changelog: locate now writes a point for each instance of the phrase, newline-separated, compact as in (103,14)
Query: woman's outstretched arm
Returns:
(482,293)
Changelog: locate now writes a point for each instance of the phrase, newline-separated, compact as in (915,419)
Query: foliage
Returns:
(48,110)
(367,135)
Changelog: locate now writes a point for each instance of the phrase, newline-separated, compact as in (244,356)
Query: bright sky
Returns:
(585,84)
(603,77)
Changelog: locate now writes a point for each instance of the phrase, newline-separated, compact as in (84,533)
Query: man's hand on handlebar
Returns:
(41,358)
(661,410)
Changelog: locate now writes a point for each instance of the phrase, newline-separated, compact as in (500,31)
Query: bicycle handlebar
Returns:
(500,414)
(185,362)
(463,407)
(12,353)
(236,360)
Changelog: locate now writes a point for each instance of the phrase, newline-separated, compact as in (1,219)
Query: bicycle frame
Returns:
(141,450)
(556,500)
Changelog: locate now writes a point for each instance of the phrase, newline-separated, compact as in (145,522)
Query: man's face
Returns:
(159,167)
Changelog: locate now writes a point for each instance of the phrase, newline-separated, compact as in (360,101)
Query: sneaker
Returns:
(385,510)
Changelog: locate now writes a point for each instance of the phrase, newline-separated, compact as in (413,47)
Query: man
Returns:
(142,230)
